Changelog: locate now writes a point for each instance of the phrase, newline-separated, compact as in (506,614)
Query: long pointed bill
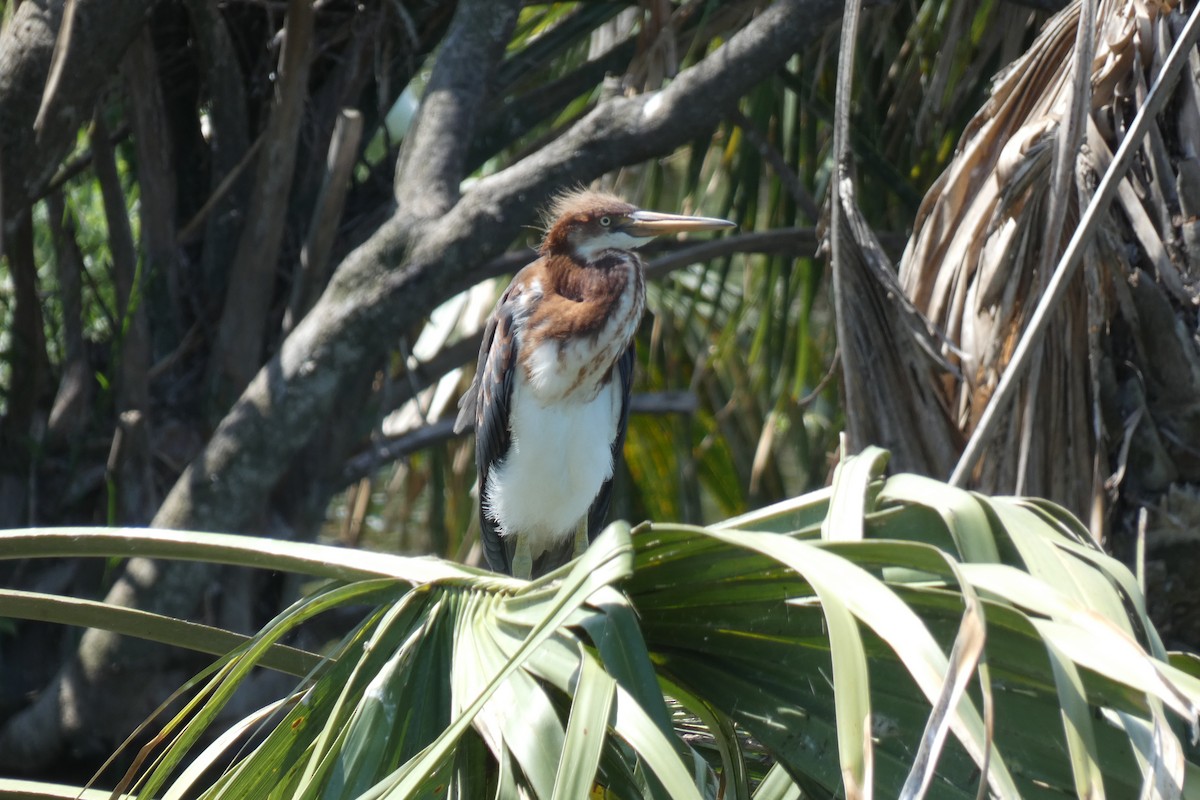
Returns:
(644,224)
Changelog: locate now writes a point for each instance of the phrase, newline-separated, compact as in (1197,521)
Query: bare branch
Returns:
(252,276)
(158,190)
(230,148)
(313,272)
(69,414)
(624,130)
(796,242)
(432,160)
(518,117)
(136,484)
(77,165)
(218,194)
(57,63)
(28,369)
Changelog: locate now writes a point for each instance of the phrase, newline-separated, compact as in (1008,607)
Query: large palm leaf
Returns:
(826,627)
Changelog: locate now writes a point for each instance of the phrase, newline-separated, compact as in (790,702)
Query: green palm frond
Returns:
(889,635)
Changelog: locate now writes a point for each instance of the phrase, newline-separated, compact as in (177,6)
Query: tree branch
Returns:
(134,477)
(313,271)
(69,414)
(624,130)
(28,158)
(221,215)
(434,153)
(29,366)
(158,190)
(514,119)
(238,350)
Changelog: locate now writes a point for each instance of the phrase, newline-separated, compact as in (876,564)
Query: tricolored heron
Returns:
(550,398)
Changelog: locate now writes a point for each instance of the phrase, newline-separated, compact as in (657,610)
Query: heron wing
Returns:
(470,399)
(488,401)
(598,513)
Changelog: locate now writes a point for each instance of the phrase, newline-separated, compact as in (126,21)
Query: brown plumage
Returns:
(550,398)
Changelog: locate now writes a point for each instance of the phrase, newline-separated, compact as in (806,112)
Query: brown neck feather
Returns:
(595,287)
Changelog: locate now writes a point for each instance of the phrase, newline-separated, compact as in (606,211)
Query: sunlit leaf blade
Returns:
(587,728)
(221,548)
(145,625)
(777,785)
(1077,723)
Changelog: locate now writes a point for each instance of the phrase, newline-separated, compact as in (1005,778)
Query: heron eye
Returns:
(606,221)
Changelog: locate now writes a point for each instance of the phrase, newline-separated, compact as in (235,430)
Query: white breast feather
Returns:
(561,455)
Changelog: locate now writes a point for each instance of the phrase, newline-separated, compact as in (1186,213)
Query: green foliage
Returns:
(889,635)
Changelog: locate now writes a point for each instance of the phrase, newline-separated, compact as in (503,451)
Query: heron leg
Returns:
(522,560)
(581,538)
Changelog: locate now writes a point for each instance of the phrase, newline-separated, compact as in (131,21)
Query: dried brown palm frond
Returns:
(1115,380)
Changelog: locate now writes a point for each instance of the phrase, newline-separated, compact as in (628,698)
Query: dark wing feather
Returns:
(487,401)
(598,513)
(470,399)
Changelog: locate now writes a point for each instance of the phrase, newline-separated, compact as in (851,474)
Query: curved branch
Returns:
(626,130)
